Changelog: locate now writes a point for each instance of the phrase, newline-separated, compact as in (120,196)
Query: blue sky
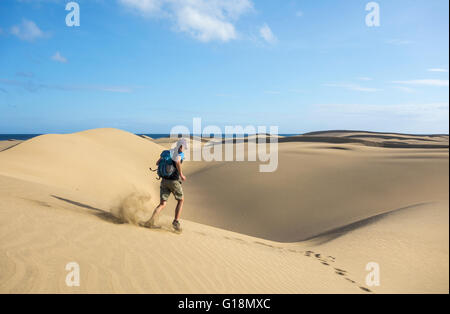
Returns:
(148,65)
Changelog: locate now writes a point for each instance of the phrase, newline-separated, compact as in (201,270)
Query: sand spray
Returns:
(135,208)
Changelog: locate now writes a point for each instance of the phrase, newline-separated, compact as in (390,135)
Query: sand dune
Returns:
(41,234)
(64,198)
(317,187)
(371,139)
(377,139)
(410,245)
(104,164)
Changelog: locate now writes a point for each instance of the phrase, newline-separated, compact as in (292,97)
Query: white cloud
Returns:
(354,87)
(32,86)
(438,70)
(59,58)
(364,78)
(25,74)
(205,20)
(224,95)
(272,92)
(143,6)
(399,42)
(297,91)
(204,27)
(426,82)
(405,89)
(266,33)
(27,30)
(426,112)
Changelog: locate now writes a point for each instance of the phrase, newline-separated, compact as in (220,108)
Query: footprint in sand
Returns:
(365,289)
(348,279)
(340,270)
(323,261)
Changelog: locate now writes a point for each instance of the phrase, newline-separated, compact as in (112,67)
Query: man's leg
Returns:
(164,193)
(179,196)
(176,224)
(179,209)
(154,220)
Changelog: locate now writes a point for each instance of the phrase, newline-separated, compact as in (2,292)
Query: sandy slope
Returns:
(57,193)
(40,235)
(317,187)
(410,245)
(105,164)
(4,145)
(377,139)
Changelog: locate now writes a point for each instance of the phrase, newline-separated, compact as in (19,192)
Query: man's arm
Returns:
(159,160)
(180,171)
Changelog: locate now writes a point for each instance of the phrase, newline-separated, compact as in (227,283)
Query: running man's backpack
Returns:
(166,167)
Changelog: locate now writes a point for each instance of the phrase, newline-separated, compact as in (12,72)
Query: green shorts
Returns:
(171,186)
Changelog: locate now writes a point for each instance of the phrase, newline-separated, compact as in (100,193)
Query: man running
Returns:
(172,177)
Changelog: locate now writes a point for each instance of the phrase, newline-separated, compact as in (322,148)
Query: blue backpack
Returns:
(166,168)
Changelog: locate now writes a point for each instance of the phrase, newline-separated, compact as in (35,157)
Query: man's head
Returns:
(181,145)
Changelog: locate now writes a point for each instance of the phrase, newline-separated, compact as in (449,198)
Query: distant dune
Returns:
(339,200)
(388,140)
(146,137)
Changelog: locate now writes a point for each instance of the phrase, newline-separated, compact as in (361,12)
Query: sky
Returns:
(146,66)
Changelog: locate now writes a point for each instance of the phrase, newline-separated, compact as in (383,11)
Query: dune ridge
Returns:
(371,139)
(105,164)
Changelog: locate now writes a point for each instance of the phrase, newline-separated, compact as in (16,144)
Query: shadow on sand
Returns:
(331,235)
(102,214)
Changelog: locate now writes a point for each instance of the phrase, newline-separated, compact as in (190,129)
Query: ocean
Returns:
(21,137)
(24,137)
